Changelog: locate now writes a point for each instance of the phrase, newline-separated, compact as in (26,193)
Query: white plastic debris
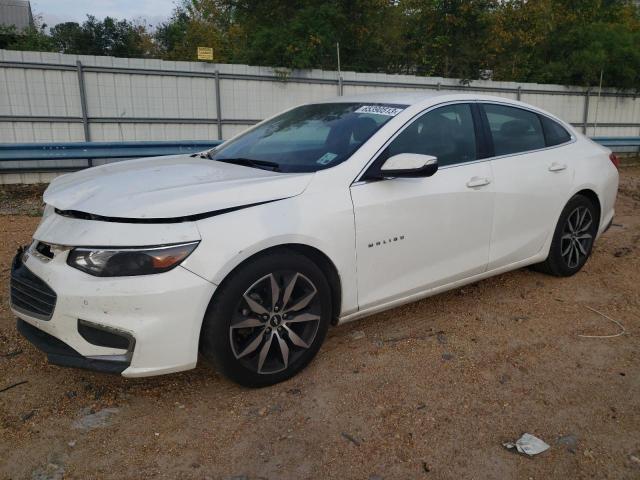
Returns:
(528,444)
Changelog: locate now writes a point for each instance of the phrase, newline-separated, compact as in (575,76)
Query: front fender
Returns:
(318,220)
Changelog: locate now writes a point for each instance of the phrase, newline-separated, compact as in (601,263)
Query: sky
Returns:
(57,11)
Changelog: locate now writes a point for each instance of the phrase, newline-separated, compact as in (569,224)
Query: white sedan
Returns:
(320,215)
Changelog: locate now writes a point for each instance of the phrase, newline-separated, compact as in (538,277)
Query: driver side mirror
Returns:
(409,165)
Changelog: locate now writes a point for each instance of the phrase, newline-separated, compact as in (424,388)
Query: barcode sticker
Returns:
(379,110)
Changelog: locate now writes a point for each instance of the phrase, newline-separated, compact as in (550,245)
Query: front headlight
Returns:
(121,262)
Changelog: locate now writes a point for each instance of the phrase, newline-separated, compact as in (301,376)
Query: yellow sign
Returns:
(205,53)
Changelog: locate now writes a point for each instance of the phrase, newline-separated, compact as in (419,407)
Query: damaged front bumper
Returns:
(134,326)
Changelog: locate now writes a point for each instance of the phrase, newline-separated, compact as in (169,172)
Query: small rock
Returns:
(262,412)
(634,459)
(504,378)
(425,467)
(52,471)
(441,337)
(26,416)
(97,419)
(71,394)
(294,391)
(100,391)
(421,406)
(195,465)
(447,356)
(622,252)
(351,438)
(357,335)
(72,443)
(569,441)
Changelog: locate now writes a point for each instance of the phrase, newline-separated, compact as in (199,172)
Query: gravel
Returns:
(514,363)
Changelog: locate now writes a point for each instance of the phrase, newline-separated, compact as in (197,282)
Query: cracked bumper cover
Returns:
(161,314)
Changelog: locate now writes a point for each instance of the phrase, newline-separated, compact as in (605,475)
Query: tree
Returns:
(449,38)
(547,41)
(31,38)
(293,34)
(195,23)
(567,42)
(118,38)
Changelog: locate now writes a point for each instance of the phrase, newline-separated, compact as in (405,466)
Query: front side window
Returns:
(514,130)
(446,133)
(554,133)
(308,138)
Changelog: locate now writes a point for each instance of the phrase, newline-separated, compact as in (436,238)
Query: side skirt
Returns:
(443,288)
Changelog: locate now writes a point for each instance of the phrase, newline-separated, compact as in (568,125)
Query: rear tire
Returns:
(573,238)
(268,319)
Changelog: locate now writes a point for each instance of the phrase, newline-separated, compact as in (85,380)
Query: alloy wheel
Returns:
(577,238)
(276,320)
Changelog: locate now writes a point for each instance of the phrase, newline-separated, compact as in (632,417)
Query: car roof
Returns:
(424,99)
(416,98)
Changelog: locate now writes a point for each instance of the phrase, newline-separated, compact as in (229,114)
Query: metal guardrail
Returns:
(628,145)
(614,142)
(14,156)
(89,151)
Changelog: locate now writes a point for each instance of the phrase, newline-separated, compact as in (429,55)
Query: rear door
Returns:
(532,177)
(413,234)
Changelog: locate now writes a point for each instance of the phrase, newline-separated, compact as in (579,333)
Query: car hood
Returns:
(169,187)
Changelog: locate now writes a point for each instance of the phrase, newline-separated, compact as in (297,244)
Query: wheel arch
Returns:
(314,254)
(585,191)
(593,196)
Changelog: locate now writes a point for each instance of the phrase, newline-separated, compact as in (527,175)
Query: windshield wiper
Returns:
(249,162)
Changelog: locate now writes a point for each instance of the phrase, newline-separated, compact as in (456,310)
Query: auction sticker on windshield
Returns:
(327,158)
(379,110)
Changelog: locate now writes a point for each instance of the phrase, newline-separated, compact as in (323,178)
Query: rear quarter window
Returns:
(554,133)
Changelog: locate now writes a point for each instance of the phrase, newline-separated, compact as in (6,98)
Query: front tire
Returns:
(268,319)
(573,238)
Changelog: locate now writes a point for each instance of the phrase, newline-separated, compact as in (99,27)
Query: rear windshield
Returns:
(310,137)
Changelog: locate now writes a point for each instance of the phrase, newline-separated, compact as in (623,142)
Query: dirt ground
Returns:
(427,391)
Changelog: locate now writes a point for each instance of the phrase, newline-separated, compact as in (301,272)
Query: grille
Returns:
(29,294)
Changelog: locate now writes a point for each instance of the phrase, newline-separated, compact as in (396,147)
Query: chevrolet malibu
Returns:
(320,215)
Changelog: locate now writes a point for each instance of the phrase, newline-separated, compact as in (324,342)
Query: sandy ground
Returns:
(427,391)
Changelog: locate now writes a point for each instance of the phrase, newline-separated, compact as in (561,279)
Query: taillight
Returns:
(615,160)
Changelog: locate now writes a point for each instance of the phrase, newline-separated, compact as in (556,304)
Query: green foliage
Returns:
(118,38)
(549,41)
(31,39)
(567,42)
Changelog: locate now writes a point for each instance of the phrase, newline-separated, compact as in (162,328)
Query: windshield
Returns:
(308,138)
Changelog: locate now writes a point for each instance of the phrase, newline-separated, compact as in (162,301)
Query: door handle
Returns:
(478,182)
(557,167)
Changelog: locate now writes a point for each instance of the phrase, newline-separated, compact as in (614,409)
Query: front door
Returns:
(414,234)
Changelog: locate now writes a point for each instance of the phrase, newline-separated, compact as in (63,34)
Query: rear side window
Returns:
(514,130)
(446,132)
(554,133)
